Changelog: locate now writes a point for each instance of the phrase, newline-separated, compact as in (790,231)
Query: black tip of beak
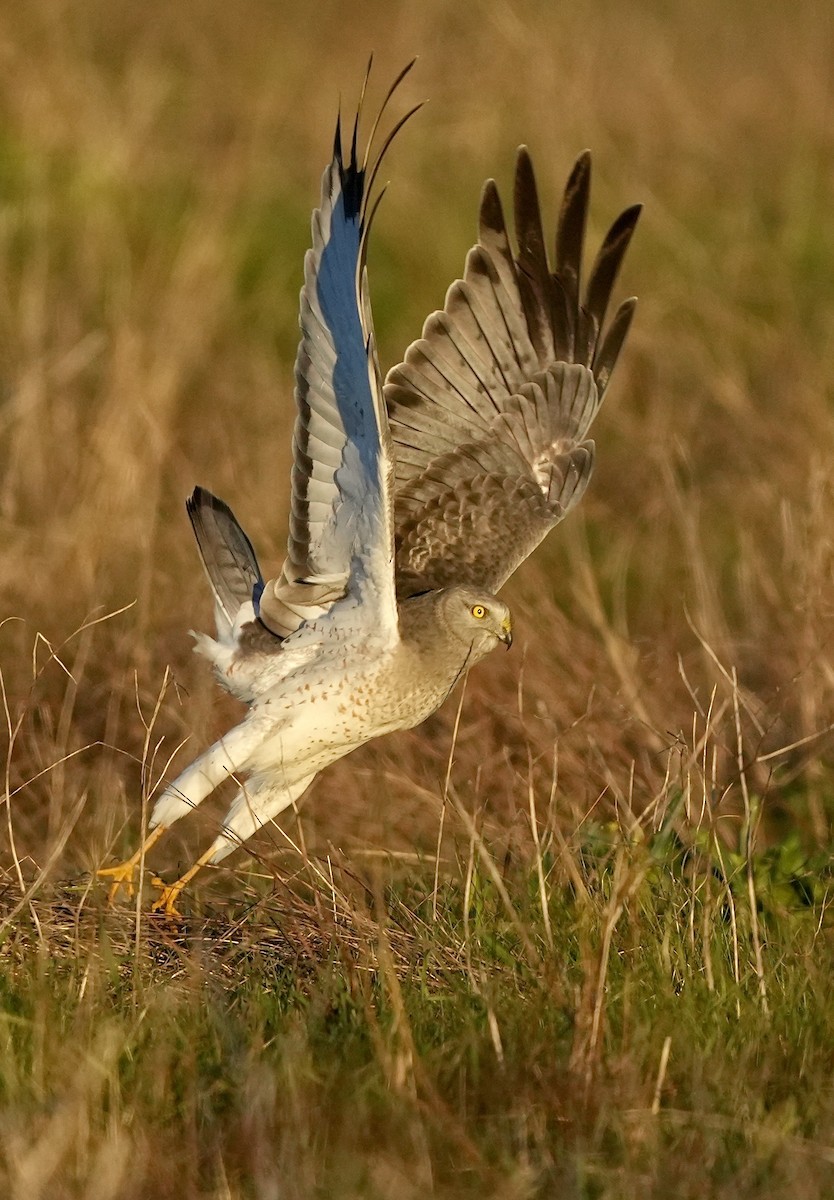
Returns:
(507,639)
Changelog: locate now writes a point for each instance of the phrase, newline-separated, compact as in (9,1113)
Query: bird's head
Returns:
(478,618)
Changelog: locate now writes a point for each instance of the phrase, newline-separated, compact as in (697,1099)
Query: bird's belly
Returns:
(320,718)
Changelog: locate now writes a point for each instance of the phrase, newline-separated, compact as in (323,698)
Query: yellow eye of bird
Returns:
(478,611)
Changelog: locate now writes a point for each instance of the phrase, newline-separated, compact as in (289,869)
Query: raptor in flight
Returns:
(412,500)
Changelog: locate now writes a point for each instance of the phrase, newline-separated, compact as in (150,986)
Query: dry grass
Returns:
(638,821)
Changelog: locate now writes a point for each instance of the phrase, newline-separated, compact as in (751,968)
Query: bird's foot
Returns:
(166,904)
(123,876)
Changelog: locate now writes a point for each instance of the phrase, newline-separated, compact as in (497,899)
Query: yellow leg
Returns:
(124,873)
(167,902)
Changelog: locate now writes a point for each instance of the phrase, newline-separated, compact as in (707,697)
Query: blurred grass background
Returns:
(158,165)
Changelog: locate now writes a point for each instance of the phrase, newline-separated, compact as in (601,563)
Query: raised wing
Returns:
(490,410)
(341,521)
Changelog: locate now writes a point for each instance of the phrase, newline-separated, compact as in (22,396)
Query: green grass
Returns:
(581,945)
(384,1040)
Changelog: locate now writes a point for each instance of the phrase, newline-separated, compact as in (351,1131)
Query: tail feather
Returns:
(228,557)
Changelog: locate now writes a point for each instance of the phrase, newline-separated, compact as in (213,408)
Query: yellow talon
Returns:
(166,904)
(123,877)
(169,892)
(124,874)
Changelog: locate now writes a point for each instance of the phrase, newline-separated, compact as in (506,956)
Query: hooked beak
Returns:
(506,634)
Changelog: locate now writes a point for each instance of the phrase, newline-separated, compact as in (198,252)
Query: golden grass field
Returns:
(655,753)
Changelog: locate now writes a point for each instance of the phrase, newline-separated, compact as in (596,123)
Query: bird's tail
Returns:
(228,557)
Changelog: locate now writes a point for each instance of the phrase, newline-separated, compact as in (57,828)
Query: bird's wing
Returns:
(229,560)
(490,410)
(341,521)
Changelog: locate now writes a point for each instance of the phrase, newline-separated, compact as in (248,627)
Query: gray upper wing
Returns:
(490,410)
(341,520)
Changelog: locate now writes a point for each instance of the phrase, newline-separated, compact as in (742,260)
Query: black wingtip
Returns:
(580,171)
(353,186)
(202,498)
(198,498)
(606,355)
(491,212)
(629,217)
(355,136)
(527,210)
(357,178)
(622,228)
(523,161)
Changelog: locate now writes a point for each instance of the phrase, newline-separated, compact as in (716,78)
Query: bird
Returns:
(413,497)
